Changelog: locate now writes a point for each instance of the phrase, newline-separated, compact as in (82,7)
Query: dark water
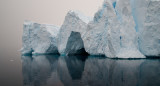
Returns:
(52,70)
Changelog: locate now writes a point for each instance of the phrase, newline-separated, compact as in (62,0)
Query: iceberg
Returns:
(74,21)
(119,29)
(39,38)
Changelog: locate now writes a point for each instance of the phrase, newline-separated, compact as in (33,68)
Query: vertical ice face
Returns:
(26,38)
(39,38)
(128,35)
(74,21)
(102,36)
(139,8)
(146,15)
(112,32)
(95,39)
(150,34)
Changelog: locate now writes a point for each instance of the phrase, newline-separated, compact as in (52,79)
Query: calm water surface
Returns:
(54,70)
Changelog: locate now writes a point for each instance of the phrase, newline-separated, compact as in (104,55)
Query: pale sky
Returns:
(14,12)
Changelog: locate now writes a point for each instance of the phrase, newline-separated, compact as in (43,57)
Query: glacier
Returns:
(39,38)
(119,29)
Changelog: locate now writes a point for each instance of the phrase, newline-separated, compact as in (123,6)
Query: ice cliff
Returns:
(128,34)
(147,15)
(99,38)
(119,29)
(112,32)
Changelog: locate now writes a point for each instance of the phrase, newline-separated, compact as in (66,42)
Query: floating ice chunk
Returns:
(39,38)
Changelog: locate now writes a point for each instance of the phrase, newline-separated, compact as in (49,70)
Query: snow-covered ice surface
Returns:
(74,21)
(39,38)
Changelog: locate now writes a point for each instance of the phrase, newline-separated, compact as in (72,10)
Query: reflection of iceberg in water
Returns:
(70,70)
(50,70)
(75,66)
(125,73)
(113,72)
(47,70)
(40,71)
(150,73)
